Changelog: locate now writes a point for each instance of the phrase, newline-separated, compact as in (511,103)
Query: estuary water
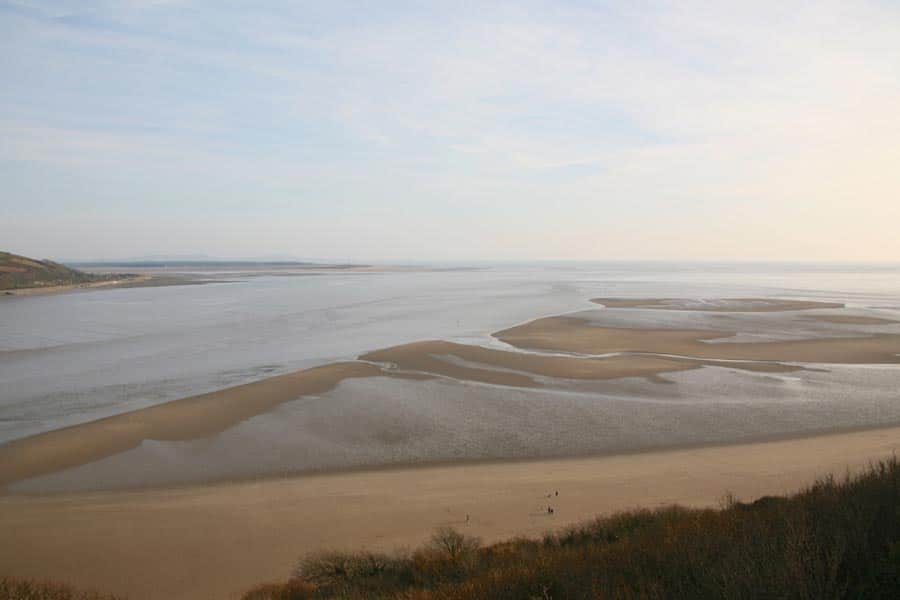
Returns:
(76,357)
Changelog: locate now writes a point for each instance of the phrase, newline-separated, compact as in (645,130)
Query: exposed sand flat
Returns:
(569,334)
(207,414)
(216,541)
(188,418)
(850,319)
(518,368)
(716,305)
(431,357)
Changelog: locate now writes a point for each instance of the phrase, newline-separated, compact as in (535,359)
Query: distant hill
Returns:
(18,272)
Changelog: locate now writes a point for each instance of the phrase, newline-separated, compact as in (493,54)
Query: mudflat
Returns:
(216,541)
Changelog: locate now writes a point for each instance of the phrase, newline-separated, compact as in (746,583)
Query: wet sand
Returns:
(188,418)
(570,334)
(206,542)
(486,365)
(716,305)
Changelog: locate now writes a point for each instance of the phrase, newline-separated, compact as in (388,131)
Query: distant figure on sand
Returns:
(549,510)
(467,518)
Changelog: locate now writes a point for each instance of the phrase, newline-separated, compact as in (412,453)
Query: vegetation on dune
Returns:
(22,589)
(18,272)
(832,540)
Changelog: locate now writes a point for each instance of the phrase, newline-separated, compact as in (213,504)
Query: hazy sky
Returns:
(389,131)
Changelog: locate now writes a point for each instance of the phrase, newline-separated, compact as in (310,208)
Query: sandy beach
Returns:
(215,541)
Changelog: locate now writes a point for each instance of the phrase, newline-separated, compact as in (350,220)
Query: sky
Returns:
(451,131)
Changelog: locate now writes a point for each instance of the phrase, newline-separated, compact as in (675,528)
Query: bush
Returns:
(292,590)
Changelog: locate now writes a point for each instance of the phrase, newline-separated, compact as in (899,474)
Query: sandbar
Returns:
(571,334)
(188,418)
(502,367)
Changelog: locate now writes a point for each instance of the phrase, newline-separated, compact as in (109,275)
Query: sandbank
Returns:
(571,334)
(487,365)
(187,418)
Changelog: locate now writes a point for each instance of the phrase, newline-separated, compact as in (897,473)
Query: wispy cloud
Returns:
(727,129)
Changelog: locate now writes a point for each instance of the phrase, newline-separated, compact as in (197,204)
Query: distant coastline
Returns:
(24,276)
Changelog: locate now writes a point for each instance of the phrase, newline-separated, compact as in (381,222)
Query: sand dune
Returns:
(215,541)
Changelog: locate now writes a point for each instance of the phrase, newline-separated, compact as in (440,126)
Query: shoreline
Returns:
(62,289)
(138,281)
(217,540)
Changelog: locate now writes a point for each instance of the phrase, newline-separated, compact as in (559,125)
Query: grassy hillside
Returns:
(833,540)
(21,272)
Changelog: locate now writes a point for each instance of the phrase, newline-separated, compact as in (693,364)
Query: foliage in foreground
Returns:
(23,589)
(833,540)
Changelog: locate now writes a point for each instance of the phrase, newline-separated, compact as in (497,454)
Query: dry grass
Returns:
(22,589)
